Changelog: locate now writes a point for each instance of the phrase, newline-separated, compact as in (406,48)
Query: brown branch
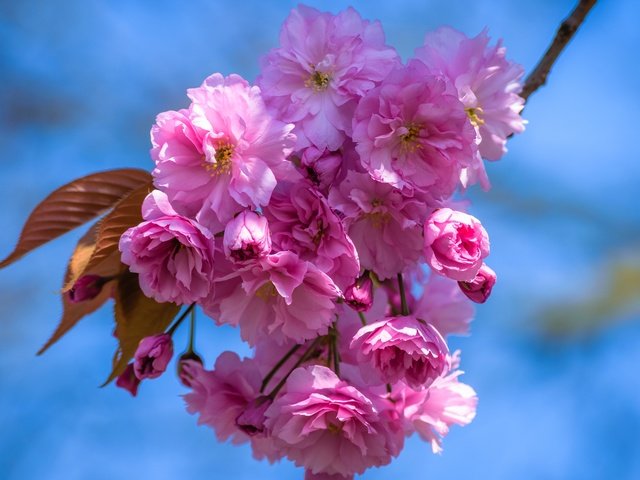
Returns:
(567,29)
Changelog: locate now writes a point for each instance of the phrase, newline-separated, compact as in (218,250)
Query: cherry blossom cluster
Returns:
(318,211)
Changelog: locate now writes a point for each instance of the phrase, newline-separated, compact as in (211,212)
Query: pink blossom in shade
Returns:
(447,402)
(382,223)
(487,83)
(222,154)
(247,237)
(455,243)
(443,305)
(479,289)
(86,288)
(173,255)
(412,132)
(128,380)
(283,297)
(402,348)
(328,426)
(308,475)
(321,167)
(301,221)
(324,65)
(359,296)
(251,419)
(152,356)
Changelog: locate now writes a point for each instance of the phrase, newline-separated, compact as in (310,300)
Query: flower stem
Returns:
(182,317)
(277,366)
(403,296)
(306,356)
(363,320)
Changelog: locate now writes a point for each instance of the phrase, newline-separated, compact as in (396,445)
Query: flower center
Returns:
(409,139)
(266,291)
(474,116)
(222,159)
(319,81)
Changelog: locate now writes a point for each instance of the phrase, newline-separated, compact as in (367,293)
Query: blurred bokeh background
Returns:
(554,355)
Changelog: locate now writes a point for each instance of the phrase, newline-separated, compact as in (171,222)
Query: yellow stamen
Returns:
(266,291)
(474,116)
(222,164)
(408,141)
(319,81)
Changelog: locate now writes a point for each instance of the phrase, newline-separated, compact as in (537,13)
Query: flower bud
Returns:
(183,373)
(251,419)
(247,237)
(359,296)
(479,289)
(128,380)
(152,356)
(86,287)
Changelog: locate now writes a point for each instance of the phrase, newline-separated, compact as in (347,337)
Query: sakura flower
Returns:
(359,296)
(487,83)
(223,153)
(302,222)
(412,132)
(455,244)
(479,289)
(381,222)
(152,356)
(173,255)
(402,348)
(247,237)
(324,65)
(328,426)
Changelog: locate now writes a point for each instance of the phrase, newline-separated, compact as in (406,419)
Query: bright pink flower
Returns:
(487,83)
(152,356)
(479,289)
(282,297)
(247,237)
(302,222)
(455,244)
(443,305)
(86,288)
(222,154)
(328,426)
(359,296)
(381,222)
(324,65)
(403,348)
(447,402)
(128,380)
(412,132)
(173,255)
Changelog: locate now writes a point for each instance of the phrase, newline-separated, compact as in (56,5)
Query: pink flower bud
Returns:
(479,289)
(360,295)
(251,419)
(86,287)
(183,373)
(455,244)
(247,237)
(152,356)
(128,380)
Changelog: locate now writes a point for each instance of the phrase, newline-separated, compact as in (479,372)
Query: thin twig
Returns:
(568,28)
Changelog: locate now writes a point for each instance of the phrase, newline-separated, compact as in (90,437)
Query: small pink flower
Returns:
(153,356)
(382,223)
(86,288)
(403,348)
(359,296)
(173,255)
(324,65)
(455,244)
(247,237)
(128,380)
(487,83)
(479,289)
(412,132)
(328,426)
(301,221)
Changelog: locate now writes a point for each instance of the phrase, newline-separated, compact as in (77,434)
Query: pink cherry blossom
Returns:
(455,244)
(152,356)
(301,221)
(412,132)
(222,154)
(402,348)
(324,65)
(487,83)
(382,223)
(247,237)
(443,305)
(281,296)
(173,255)
(328,426)
(479,289)
(359,296)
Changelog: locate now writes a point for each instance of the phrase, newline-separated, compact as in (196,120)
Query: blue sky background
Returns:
(553,355)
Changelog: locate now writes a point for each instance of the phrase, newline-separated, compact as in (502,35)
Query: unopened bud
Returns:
(360,295)
(86,287)
(251,419)
(479,289)
(183,373)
